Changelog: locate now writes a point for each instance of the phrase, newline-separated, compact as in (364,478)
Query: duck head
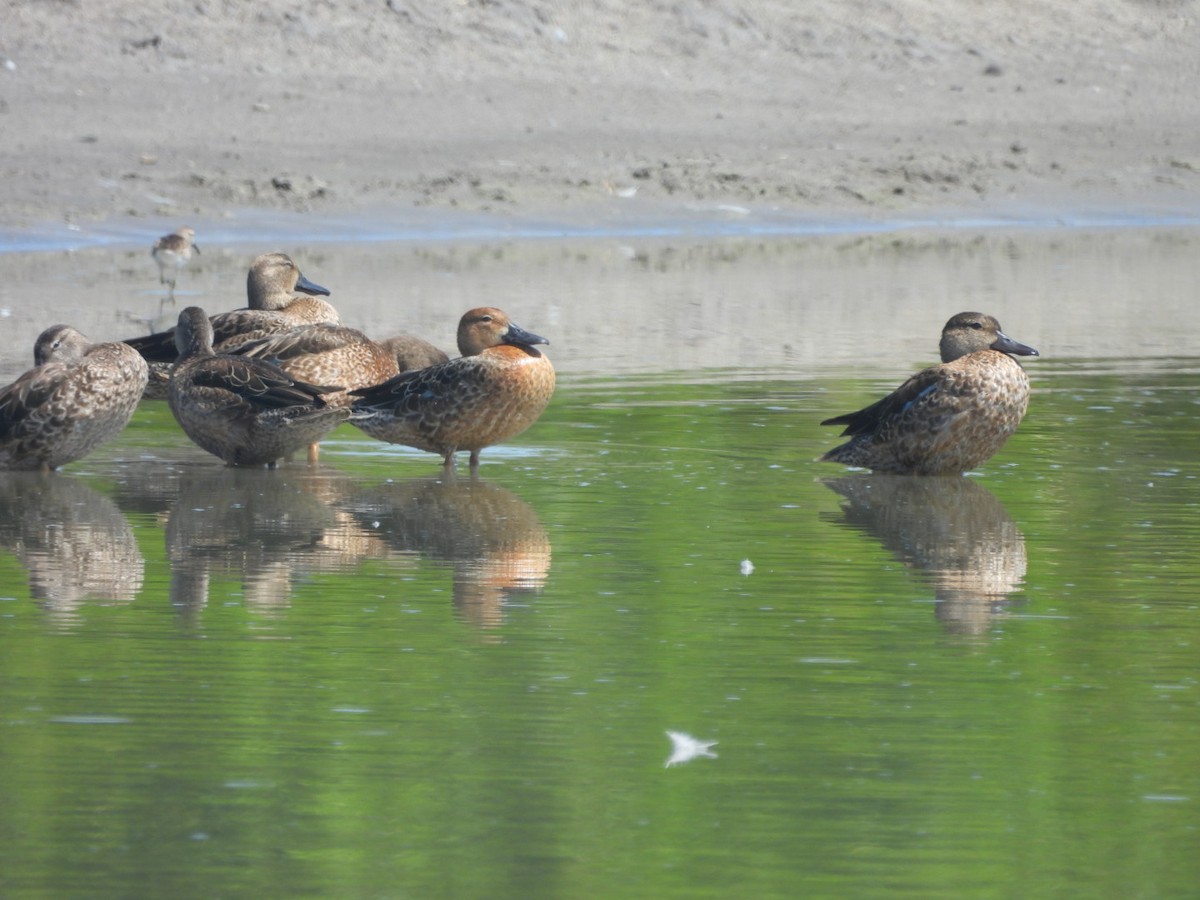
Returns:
(486,326)
(969,332)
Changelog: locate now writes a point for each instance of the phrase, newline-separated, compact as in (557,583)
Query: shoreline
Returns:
(127,118)
(267,226)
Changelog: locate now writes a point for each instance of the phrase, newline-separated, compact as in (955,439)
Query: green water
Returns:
(361,681)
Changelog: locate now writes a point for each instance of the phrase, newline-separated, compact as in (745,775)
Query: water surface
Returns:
(362,679)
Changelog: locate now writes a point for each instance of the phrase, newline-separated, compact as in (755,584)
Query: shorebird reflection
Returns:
(75,543)
(490,537)
(951,529)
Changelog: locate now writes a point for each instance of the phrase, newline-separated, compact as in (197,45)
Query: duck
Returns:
(247,412)
(948,418)
(272,307)
(77,396)
(336,354)
(172,252)
(494,391)
(412,352)
(325,354)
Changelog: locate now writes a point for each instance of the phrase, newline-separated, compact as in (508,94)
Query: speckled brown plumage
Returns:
(245,411)
(78,396)
(325,354)
(948,418)
(493,392)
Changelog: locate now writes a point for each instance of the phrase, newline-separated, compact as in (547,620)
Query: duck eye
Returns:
(977,325)
(485,318)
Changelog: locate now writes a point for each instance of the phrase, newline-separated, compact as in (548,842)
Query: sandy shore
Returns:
(188,110)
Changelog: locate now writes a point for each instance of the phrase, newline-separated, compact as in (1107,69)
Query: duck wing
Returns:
(455,383)
(258,382)
(307,340)
(30,392)
(921,391)
(157,347)
(237,323)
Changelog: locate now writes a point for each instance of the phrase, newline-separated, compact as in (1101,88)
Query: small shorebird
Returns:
(172,252)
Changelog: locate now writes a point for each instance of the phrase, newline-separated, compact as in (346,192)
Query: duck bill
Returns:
(196,247)
(308,287)
(518,335)
(1005,344)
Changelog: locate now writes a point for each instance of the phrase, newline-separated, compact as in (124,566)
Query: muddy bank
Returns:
(186,110)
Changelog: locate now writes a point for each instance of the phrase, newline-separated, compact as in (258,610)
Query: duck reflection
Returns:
(75,543)
(952,529)
(490,538)
(266,527)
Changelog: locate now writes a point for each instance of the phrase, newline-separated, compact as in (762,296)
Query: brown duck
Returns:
(78,396)
(335,354)
(494,391)
(948,418)
(325,354)
(248,412)
(272,286)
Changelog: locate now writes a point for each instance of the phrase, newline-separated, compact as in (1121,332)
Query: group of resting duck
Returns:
(256,385)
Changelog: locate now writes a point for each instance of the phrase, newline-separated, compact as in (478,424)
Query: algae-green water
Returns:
(363,679)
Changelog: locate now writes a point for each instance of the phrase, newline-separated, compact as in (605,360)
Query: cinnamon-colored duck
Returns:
(494,391)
